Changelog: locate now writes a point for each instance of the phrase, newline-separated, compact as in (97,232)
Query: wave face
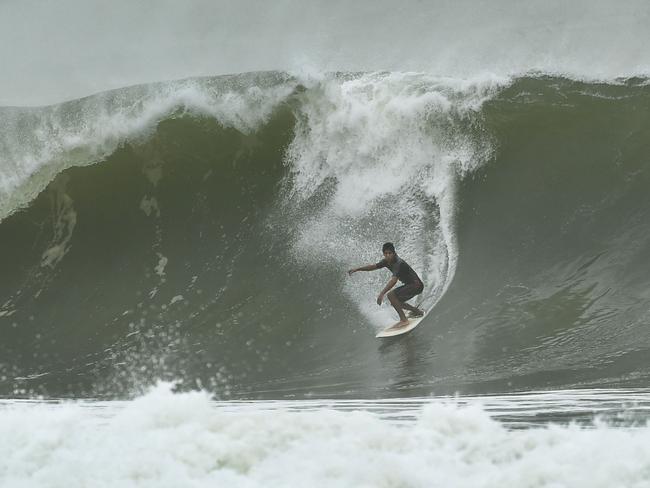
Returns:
(200,231)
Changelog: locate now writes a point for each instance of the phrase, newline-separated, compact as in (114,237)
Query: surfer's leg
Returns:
(415,311)
(397,305)
(406,292)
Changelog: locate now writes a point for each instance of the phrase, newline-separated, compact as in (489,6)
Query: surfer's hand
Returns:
(352,271)
(380,298)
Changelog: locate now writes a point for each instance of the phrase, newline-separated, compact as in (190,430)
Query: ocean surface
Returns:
(182,193)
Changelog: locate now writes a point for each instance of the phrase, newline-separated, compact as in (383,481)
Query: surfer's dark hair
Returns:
(388,247)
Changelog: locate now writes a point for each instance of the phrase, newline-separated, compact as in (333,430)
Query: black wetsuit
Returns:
(412,283)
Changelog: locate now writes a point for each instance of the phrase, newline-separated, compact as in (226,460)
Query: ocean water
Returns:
(184,189)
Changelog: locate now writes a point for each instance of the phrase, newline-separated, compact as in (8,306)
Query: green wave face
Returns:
(200,231)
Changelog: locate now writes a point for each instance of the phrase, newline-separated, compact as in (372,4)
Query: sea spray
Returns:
(377,157)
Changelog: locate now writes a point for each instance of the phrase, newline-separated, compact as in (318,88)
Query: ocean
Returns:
(183,188)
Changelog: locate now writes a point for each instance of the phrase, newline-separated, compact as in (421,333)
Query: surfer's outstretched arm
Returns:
(369,267)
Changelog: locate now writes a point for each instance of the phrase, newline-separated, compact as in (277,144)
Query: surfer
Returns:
(403,272)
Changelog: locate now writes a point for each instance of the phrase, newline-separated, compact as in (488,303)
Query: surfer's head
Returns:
(389,251)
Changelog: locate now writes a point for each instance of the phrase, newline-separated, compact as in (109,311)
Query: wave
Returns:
(201,230)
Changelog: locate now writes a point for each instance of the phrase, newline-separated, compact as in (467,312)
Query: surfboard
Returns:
(393,331)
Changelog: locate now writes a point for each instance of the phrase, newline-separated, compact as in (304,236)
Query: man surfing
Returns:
(399,296)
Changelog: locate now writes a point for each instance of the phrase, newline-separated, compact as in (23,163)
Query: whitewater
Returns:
(184,186)
(162,439)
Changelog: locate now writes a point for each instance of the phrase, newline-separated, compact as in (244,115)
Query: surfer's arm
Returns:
(369,267)
(389,285)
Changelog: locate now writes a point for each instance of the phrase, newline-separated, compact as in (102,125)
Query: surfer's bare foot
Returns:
(400,324)
(414,315)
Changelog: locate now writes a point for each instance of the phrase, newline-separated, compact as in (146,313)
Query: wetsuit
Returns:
(412,283)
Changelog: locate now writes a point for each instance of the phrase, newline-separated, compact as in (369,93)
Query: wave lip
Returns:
(39,143)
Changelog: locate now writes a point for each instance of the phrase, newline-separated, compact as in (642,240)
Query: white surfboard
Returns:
(393,331)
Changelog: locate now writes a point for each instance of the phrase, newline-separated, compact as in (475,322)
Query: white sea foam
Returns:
(171,440)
